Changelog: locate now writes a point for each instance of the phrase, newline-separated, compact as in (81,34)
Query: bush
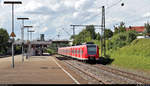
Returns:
(18,49)
(121,39)
(50,51)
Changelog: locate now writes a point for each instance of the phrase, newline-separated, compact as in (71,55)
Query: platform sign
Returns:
(12,34)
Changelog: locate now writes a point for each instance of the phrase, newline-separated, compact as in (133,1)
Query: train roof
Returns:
(79,45)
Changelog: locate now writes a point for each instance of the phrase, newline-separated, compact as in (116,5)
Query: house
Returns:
(138,29)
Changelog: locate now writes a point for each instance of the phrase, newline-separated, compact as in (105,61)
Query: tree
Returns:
(116,30)
(85,35)
(98,36)
(147,26)
(122,39)
(108,33)
(91,29)
(120,28)
(4,37)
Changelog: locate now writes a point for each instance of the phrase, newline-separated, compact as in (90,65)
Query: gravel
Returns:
(103,75)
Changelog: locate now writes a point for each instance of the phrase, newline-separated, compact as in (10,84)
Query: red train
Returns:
(85,52)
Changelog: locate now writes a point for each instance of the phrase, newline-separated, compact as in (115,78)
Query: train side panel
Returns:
(78,52)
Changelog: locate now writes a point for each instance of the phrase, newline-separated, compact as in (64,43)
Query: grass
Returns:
(134,56)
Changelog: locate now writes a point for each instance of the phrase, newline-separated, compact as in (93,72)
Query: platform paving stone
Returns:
(35,70)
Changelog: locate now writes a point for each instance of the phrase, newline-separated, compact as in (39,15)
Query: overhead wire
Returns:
(66,31)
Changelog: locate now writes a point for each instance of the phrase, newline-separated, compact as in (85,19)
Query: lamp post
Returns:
(28,51)
(31,34)
(22,35)
(12,3)
(28,31)
(30,46)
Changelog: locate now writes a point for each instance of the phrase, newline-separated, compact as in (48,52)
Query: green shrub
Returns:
(50,51)
(136,55)
(121,39)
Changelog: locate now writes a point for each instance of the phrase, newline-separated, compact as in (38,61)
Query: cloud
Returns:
(69,3)
(53,15)
(146,14)
(44,29)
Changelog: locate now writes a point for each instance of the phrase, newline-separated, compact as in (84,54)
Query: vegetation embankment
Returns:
(135,55)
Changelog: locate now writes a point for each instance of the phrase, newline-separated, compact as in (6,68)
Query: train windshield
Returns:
(91,49)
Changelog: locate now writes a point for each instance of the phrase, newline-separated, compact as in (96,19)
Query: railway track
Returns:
(138,78)
(125,77)
(88,73)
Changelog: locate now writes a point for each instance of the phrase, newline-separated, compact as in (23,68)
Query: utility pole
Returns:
(12,34)
(103,30)
(73,30)
(22,35)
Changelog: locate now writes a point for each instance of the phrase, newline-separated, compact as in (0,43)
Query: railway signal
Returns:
(12,35)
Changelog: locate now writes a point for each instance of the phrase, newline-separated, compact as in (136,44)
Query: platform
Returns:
(37,70)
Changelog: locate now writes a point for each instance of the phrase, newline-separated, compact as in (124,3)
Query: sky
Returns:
(53,17)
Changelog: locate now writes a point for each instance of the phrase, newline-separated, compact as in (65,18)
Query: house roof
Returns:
(136,28)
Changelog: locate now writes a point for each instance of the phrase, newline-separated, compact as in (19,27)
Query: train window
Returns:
(80,52)
(91,49)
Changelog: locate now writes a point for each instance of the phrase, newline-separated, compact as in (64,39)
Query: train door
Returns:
(70,51)
(75,52)
(66,51)
(97,52)
(83,54)
(79,52)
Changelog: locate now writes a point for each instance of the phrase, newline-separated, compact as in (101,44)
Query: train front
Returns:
(92,52)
